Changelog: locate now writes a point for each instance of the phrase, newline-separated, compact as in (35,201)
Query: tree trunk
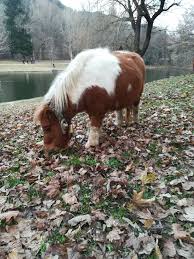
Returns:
(137,36)
(70,51)
(147,38)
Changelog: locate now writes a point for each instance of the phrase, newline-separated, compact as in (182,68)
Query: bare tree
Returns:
(3,36)
(45,27)
(183,47)
(142,12)
(71,30)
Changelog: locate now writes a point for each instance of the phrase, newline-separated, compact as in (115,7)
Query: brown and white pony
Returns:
(96,81)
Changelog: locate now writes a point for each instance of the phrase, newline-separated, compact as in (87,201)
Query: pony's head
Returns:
(57,133)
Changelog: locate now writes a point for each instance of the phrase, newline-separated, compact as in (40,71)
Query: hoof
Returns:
(89,144)
(130,123)
(40,144)
(118,124)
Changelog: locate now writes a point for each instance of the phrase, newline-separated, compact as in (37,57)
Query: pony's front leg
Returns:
(94,133)
(119,118)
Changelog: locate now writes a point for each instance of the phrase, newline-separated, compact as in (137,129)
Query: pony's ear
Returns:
(43,115)
(38,114)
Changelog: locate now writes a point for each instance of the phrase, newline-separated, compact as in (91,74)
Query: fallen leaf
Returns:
(13,255)
(157,251)
(188,185)
(189,213)
(53,189)
(169,249)
(129,167)
(148,243)
(144,214)
(177,181)
(186,251)
(139,201)
(130,207)
(41,214)
(148,223)
(71,233)
(9,215)
(69,198)
(2,201)
(81,218)
(97,214)
(34,174)
(179,233)
(111,222)
(114,235)
(185,202)
(149,177)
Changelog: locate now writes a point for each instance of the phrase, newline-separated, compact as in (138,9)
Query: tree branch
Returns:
(162,9)
(145,10)
(174,4)
(131,16)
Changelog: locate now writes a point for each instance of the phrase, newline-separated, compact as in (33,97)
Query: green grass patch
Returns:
(74,160)
(57,238)
(42,249)
(32,193)
(50,174)
(114,163)
(169,178)
(110,248)
(84,198)
(89,249)
(90,161)
(14,168)
(3,223)
(12,181)
(112,208)
(148,193)
(119,212)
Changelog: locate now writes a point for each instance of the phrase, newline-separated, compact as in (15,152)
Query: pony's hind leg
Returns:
(129,116)
(135,111)
(119,118)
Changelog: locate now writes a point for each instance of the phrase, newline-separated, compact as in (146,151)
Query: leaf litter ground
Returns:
(131,197)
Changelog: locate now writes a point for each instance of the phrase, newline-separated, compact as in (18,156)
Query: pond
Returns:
(18,86)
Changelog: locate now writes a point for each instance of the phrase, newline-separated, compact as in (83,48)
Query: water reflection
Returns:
(153,74)
(17,86)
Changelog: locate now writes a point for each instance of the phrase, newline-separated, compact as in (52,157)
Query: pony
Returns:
(96,81)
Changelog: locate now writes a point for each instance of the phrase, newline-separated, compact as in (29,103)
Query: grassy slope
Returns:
(136,189)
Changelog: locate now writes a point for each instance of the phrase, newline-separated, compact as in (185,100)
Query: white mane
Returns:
(67,84)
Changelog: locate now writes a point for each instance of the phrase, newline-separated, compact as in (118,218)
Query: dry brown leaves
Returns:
(131,197)
(53,189)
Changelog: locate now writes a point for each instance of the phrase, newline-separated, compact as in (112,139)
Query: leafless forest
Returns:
(58,32)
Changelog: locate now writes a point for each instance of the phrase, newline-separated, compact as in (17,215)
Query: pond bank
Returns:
(7,66)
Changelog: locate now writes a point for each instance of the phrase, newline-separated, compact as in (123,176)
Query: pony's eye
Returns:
(46,129)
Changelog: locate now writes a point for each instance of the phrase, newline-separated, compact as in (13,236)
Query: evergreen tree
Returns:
(16,25)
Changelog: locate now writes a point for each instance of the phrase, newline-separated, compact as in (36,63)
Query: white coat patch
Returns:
(95,67)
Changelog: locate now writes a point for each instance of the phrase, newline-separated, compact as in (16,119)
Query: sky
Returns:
(168,20)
